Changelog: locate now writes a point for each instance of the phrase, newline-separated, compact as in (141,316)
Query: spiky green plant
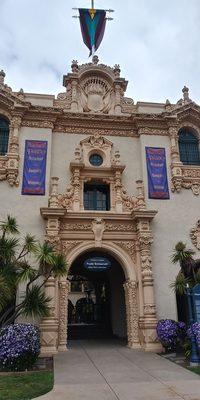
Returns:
(16,267)
(180,284)
(184,257)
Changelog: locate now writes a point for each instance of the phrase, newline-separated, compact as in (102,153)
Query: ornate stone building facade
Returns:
(92,117)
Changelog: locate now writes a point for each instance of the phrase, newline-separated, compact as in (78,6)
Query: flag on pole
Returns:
(93,23)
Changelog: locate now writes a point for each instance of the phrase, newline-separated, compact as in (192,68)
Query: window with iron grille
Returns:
(96,197)
(188,147)
(4,136)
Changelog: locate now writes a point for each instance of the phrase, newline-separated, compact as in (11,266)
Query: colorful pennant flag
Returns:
(93,23)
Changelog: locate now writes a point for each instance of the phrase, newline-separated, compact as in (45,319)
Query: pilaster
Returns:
(49,325)
(130,288)
(149,320)
(64,287)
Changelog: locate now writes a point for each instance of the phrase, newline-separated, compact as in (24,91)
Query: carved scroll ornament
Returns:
(195,235)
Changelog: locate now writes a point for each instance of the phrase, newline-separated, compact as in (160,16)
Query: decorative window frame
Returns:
(9,163)
(183,176)
(110,172)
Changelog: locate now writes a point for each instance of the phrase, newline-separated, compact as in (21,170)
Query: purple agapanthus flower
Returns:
(195,330)
(171,333)
(19,346)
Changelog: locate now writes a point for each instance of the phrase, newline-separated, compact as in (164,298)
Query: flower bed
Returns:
(171,334)
(19,347)
(195,330)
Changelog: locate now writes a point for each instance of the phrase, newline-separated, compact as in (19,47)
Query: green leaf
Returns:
(8,247)
(59,265)
(6,293)
(180,284)
(45,255)
(30,244)
(36,303)
(9,226)
(26,273)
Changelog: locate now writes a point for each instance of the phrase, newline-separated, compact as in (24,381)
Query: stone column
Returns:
(13,151)
(74,103)
(176,171)
(132,318)
(149,321)
(64,287)
(118,107)
(49,325)
(76,185)
(52,232)
(118,191)
(140,196)
(53,199)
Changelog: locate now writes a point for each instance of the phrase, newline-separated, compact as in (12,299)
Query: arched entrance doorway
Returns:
(96,300)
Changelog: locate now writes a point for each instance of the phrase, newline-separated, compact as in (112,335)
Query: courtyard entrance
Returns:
(96,302)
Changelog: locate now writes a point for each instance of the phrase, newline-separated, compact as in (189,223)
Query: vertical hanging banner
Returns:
(34,173)
(157,173)
(93,23)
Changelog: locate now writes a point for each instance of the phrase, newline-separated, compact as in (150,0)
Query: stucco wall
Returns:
(63,153)
(27,208)
(173,222)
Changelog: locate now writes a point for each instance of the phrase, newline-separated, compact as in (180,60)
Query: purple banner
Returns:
(157,173)
(34,174)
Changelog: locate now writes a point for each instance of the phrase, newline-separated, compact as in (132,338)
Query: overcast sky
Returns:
(156,43)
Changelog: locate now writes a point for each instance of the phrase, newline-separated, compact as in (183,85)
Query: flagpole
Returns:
(92,4)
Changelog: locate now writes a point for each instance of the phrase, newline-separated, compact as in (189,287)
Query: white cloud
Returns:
(155,42)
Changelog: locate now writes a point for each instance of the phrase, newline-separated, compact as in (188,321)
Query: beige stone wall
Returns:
(63,146)
(173,223)
(175,217)
(27,208)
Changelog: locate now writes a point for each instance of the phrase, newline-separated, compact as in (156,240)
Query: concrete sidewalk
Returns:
(93,370)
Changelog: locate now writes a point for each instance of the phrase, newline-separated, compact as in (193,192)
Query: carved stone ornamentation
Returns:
(128,246)
(9,164)
(68,245)
(93,87)
(182,176)
(65,226)
(195,235)
(130,288)
(98,227)
(83,171)
(119,227)
(49,325)
(64,287)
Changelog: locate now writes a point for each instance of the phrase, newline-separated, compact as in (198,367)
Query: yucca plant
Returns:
(180,284)
(16,268)
(189,268)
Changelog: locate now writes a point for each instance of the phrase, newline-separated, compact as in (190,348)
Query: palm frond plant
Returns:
(16,267)
(189,268)
(180,284)
(184,257)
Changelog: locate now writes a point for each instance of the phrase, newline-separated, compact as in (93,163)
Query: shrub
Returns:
(195,330)
(171,333)
(19,347)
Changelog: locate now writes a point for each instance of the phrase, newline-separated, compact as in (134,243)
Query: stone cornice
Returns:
(48,212)
(130,125)
(144,214)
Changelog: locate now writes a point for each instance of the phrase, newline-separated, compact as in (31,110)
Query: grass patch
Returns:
(196,370)
(25,387)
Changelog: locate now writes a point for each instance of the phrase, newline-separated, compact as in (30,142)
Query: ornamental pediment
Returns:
(94,88)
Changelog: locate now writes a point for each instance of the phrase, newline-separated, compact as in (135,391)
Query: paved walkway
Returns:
(109,371)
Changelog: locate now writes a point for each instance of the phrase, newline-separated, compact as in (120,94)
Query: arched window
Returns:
(188,147)
(4,136)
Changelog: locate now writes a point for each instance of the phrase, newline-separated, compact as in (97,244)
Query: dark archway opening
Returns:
(96,304)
